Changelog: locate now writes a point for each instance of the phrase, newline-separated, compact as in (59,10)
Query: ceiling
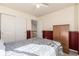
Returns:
(31,8)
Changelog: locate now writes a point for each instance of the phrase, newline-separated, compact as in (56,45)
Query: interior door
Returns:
(7,28)
(34,28)
(20,28)
(61,34)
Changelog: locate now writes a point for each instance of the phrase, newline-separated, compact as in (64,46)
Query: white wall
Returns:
(63,16)
(78,17)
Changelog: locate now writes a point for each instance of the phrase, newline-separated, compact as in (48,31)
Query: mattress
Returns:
(32,50)
(10,47)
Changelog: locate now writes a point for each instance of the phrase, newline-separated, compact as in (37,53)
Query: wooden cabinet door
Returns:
(61,34)
(56,33)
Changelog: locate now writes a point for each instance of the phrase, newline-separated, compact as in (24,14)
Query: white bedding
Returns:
(2,52)
(37,47)
(2,48)
(41,50)
(12,53)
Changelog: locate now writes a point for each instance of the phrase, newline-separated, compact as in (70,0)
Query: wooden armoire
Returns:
(61,34)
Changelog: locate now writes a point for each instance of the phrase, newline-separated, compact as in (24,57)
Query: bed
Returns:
(36,50)
(2,48)
(33,47)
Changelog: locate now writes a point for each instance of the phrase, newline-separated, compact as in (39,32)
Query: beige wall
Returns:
(64,16)
(76,16)
(67,15)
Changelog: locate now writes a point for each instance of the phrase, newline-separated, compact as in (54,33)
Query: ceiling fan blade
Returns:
(44,4)
(41,4)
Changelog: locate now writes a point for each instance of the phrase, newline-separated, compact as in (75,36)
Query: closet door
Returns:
(20,29)
(7,28)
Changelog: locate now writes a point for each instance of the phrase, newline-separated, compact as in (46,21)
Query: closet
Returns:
(7,28)
(34,28)
(61,34)
(13,28)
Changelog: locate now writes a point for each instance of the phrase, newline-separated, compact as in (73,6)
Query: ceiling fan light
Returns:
(37,6)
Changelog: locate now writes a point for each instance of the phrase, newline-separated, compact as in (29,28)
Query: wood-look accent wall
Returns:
(78,42)
(28,33)
(48,35)
(73,38)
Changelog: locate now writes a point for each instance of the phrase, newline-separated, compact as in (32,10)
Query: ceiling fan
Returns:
(38,5)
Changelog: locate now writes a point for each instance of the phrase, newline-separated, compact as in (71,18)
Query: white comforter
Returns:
(2,52)
(41,50)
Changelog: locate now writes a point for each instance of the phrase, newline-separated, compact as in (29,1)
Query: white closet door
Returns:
(7,28)
(20,29)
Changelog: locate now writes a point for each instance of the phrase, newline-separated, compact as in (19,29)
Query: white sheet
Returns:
(41,50)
